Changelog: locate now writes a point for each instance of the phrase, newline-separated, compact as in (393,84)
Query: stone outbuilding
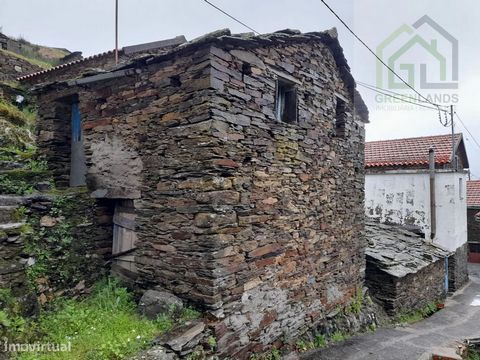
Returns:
(404,272)
(473,220)
(415,183)
(235,166)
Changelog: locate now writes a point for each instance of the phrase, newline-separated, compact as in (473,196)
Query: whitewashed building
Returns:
(415,182)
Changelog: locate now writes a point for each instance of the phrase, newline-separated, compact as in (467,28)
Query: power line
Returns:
(398,94)
(374,54)
(231,17)
(468,131)
(401,99)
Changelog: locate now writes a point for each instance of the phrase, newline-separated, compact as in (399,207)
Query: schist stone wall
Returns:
(404,273)
(12,67)
(473,225)
(473,222)
(259,222)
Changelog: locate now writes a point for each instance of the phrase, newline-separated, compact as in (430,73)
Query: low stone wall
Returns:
(12,67)
(473,225)
(61,241)
(458,268)
(412,292)
(404,272)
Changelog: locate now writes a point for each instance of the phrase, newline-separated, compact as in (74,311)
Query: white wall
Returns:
(404,198)
(451,210)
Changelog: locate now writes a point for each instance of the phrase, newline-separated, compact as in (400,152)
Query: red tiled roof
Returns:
(125,50)
(68,64)
(473,193)
(410,151)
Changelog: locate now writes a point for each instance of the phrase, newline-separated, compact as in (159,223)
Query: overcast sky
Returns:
(88,26)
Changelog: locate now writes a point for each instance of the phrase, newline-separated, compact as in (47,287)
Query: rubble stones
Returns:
(154,303)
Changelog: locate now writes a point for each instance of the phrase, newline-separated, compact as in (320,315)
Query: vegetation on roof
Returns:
(16,125)
(37,61)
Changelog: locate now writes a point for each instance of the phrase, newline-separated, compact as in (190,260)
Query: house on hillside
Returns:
(235,166)
(416,183)
(473,220)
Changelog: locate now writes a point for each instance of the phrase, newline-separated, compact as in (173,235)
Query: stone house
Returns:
(404,272)
(235,166)
(414,182)
(473,220)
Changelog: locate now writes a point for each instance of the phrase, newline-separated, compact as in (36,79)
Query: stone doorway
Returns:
(124,239)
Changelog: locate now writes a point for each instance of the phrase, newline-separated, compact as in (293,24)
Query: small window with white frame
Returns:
(286,101)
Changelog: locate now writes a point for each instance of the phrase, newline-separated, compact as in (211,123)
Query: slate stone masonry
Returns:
(258,222)
(458,268)
(404,272)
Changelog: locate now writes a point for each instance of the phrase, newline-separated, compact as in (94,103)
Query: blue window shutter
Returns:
(76,123)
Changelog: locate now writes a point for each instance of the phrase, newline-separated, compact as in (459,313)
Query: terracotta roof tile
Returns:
(473,193)
(410,151)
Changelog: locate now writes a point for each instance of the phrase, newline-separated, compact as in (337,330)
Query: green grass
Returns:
(104,326)
(14,115)
(14,187)
(12,153)
(273,354)
(339,336)
(473,355)
(417,315)
(40,63)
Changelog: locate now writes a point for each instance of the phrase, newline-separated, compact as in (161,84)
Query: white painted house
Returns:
(414,182)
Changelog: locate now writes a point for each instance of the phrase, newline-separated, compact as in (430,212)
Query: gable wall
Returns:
(256,221)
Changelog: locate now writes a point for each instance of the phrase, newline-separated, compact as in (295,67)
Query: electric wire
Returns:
(231,17)
(374,54)
(397,93)
(468,131)
(401,99)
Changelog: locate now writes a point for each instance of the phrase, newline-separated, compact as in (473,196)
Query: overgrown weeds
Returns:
(417,315)
(104,326)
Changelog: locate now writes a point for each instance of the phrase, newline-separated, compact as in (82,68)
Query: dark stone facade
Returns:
(473,222)
(458,268)
(257,221)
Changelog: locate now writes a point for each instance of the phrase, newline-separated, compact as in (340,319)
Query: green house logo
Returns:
(435,68)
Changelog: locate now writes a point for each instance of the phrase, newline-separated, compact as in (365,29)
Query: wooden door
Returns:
(124,238)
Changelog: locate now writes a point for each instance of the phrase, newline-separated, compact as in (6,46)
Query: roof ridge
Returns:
(412,138)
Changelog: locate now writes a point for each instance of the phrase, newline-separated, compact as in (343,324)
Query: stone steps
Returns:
(7,213)
(12,228)
(12,200)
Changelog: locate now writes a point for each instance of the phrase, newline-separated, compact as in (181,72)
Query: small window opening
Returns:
(340,118)
(286,101)
(246,69)
(175,81)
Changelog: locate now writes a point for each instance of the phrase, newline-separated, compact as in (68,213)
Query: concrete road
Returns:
(459,319)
